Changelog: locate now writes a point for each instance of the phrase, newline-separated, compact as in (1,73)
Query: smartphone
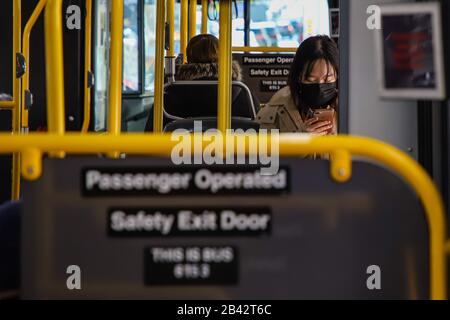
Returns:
(325,115)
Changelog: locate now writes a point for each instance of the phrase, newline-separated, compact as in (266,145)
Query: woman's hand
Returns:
(318,128)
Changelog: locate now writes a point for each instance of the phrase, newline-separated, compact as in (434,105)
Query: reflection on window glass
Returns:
(150,37)
(130,47)
(101,63)
(286,23)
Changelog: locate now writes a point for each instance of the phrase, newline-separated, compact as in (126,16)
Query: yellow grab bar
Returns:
(225,64)
(204,16)
(192,18)
(184,8)
(26,53)
(171,22)
(16,112)
(87,66)
(34,145)
(116,65)
(264,49)
(54,66)
(159,69)
(7,104)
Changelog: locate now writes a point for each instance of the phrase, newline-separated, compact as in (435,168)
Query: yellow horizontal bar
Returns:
(263,49)
(7,104)
(290,145)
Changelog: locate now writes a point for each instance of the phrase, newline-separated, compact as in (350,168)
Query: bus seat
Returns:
(210,123)
(196,99)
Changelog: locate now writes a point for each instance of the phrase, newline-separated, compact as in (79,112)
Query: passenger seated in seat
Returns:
(202,60)
(312,84)
(202,55)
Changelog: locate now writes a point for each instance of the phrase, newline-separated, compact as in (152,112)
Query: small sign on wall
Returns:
(334,23)
(410,52)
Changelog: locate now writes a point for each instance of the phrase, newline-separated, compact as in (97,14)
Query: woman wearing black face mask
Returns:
(313,85)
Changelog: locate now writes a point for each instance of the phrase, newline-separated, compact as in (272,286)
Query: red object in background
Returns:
(408,54)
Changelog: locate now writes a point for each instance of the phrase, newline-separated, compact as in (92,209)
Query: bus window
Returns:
(238,24)
(101,63)
(286,23)
(131,47)
(213,23)
(149,37)
(281,23)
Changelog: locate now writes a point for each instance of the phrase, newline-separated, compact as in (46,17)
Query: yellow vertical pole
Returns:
(16,112)
(171,22)
(87,66)
(225,61)
(115,68)
(184,8)
(54,66)
(192,18)
(26,53)
(159,67)
(204,16)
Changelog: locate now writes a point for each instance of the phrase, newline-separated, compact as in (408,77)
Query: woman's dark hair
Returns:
(310,51)
(203,48)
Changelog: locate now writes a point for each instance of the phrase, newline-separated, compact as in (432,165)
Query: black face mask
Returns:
(317,95)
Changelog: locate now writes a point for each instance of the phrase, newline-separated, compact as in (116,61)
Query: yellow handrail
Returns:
(26,53)
(116,65)
(159,69)
(54,69)
(184,13)
(171,22)
(192,18)
(16,112)
(54,65)
(204,16)
(225,62)
(33,145)
(7,104)
(264,49)
(87,66)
